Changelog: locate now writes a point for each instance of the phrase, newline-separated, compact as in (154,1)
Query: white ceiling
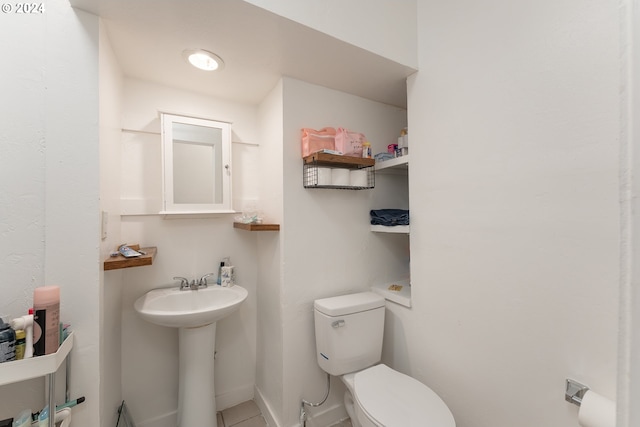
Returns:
(258,47)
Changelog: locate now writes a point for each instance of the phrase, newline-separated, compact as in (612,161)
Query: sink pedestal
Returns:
(196,394)
(194,313)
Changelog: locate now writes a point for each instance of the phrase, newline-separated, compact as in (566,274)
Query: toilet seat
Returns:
(392,399)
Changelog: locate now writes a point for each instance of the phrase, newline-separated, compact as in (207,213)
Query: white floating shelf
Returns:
(34,367)
(398,292)
(396,165)
(398,229)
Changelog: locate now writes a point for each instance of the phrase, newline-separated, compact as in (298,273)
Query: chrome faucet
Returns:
(184,283)
(203,280)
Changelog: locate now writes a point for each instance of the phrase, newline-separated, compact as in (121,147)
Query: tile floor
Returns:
(345,423)
(247,414)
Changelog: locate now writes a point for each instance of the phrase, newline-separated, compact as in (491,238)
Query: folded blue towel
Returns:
(389,217)
(381,157)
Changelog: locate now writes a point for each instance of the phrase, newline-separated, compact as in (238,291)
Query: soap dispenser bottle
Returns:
(225,261)
(219,279)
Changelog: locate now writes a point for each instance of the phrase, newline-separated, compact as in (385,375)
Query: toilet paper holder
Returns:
(574,392)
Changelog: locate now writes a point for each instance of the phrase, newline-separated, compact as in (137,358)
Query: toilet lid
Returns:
(393,399)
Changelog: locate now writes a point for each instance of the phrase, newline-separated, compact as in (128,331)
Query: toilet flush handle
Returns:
(338,323)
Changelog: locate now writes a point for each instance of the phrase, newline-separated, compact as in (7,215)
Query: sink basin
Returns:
(189,309)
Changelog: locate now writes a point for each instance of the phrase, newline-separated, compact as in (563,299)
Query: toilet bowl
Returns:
(349,331)
(383,397)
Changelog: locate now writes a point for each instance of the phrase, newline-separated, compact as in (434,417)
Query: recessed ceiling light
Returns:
(203,59)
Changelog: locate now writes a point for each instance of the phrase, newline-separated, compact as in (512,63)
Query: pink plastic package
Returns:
(349,143)
(316,140)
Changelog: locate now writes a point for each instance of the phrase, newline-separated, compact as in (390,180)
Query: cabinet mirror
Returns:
(196,165)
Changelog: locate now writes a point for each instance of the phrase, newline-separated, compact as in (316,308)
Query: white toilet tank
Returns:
(349,331)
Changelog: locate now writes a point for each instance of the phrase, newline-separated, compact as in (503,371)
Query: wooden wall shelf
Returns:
(256,227)
(117,262)
(348,162)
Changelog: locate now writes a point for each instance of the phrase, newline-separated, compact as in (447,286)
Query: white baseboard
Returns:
(223,401)
(265,408)
(324,418)
(234,397)
(170,419)
(327,417)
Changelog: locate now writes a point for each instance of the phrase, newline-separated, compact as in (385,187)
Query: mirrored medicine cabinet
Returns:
(196,165)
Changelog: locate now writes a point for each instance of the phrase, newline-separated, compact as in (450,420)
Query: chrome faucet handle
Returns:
(203,280)
(184,283)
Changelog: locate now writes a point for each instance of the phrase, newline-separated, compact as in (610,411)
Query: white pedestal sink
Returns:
(195,313)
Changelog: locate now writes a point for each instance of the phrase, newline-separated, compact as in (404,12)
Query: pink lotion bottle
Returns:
(46,307)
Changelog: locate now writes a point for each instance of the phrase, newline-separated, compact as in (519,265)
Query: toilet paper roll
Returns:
(358,178)
(340,177)
(596,411)
(324,176)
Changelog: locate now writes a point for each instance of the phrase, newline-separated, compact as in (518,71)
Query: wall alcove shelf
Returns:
(399,292)
(398,165)
(256,227)
(398,229)
(117,262)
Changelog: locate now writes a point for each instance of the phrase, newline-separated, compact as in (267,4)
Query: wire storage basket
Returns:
(323,170)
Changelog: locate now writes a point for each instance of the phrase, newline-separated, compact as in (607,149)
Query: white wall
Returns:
(22,213)
(328,248)
(514,198)
(384,27)
(269,365)
(110,95)
(141,154)
(186,247)
(22,143)
(49,122)
(629,348)
(72,191)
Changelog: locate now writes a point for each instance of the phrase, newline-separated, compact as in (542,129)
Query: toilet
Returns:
(349,330)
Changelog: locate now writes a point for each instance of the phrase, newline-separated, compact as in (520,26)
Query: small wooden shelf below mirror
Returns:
(256,227)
